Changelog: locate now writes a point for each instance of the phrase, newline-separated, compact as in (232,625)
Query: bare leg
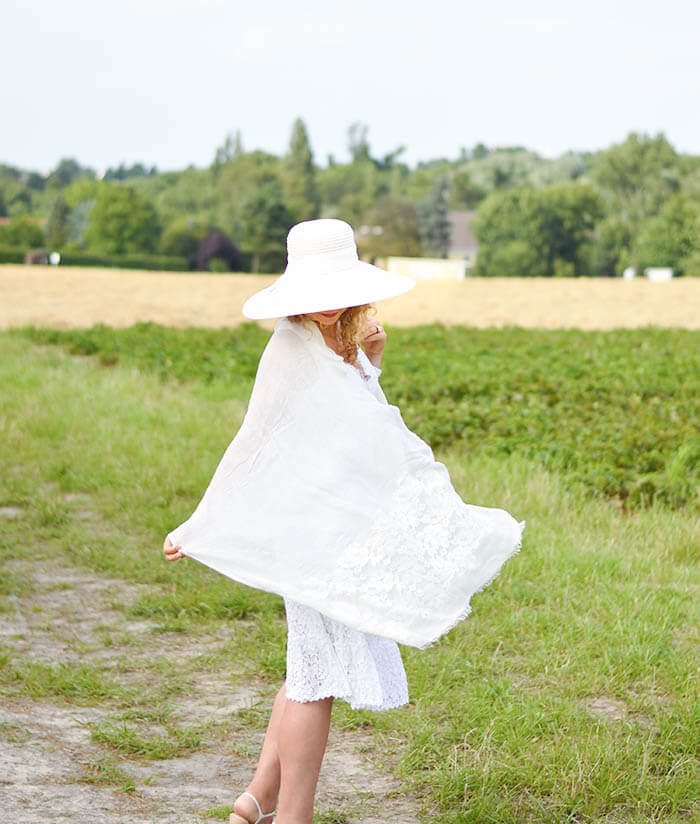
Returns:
(266,781)
(303,734)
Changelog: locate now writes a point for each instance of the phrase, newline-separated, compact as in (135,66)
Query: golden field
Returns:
(79,297)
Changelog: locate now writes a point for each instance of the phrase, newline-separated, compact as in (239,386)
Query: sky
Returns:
(163,82)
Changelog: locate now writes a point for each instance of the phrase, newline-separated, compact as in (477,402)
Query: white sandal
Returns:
(234,818)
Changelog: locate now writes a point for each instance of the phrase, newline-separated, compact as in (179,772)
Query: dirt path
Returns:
(65,297)
(52,769)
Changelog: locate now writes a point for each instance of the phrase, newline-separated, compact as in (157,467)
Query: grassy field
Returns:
(569,695)
(614,411)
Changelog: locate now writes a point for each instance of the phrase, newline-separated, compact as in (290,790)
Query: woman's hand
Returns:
(373,343)
(172,553)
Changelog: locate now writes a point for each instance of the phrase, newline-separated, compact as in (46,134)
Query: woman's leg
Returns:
(266,781)
(303,734)
(290,760)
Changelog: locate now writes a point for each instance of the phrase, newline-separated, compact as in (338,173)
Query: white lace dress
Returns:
(326,658)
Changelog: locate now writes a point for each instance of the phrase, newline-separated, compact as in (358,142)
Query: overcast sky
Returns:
(164,81)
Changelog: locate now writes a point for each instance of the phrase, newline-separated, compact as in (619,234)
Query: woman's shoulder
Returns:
(285,329)
(288,348)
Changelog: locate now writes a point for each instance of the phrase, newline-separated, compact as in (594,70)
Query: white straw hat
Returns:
(323,273)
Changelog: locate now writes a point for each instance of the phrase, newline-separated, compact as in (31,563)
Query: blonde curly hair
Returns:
(351,328)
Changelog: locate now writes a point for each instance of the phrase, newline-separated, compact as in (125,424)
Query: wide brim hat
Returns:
(323,273)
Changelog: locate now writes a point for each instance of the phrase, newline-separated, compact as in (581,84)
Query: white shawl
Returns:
(326,497)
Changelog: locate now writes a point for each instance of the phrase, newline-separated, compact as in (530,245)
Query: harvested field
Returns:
(78,297)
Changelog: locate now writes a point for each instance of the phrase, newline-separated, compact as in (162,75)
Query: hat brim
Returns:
(289,295)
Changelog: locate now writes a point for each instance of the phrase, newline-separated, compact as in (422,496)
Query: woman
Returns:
(326,498)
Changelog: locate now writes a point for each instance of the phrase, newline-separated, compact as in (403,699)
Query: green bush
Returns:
(151,262)
(23,231)
(11,254)
(182,236)
(672,238)
(218,265)
(122,222)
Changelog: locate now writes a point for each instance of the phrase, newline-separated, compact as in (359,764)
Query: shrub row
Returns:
(11,254)
(15,254)
(153,262)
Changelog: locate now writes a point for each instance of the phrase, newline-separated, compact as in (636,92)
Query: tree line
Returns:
(584,213)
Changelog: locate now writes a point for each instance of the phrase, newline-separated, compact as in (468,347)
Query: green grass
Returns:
(130,740)
(334,816)
(106,771)
(219,813)
(508,720)
(82,684)
(14,733)
(615,411)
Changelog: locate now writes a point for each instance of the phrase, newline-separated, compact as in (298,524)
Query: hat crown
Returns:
(326,244)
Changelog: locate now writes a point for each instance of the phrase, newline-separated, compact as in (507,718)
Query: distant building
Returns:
(658,273)
(461,255)
(421,268)
(463,244)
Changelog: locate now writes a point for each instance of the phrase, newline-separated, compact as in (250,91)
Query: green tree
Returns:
(636,176)
(22,231)
(68,170)
(264,223)
(672,238)
(348,190)
(513,258)
(17,198)
(358,144)
(505,168)
(236,181)
(81,190)
(299,176)
(390,159)
(182,237)
(689,168)
(464,194)
(569,212)
(420,182)
(389,228)
(80,197)
(122,222)
(124,172)
(537,232)
(433,225)
(57,222)
(507,226)
(609,247)
(191,192)
(230,149)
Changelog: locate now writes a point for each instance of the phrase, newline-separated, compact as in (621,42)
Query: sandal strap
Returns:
(260,817)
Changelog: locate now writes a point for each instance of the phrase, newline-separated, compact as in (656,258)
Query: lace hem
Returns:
(353,705)
(328,659)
